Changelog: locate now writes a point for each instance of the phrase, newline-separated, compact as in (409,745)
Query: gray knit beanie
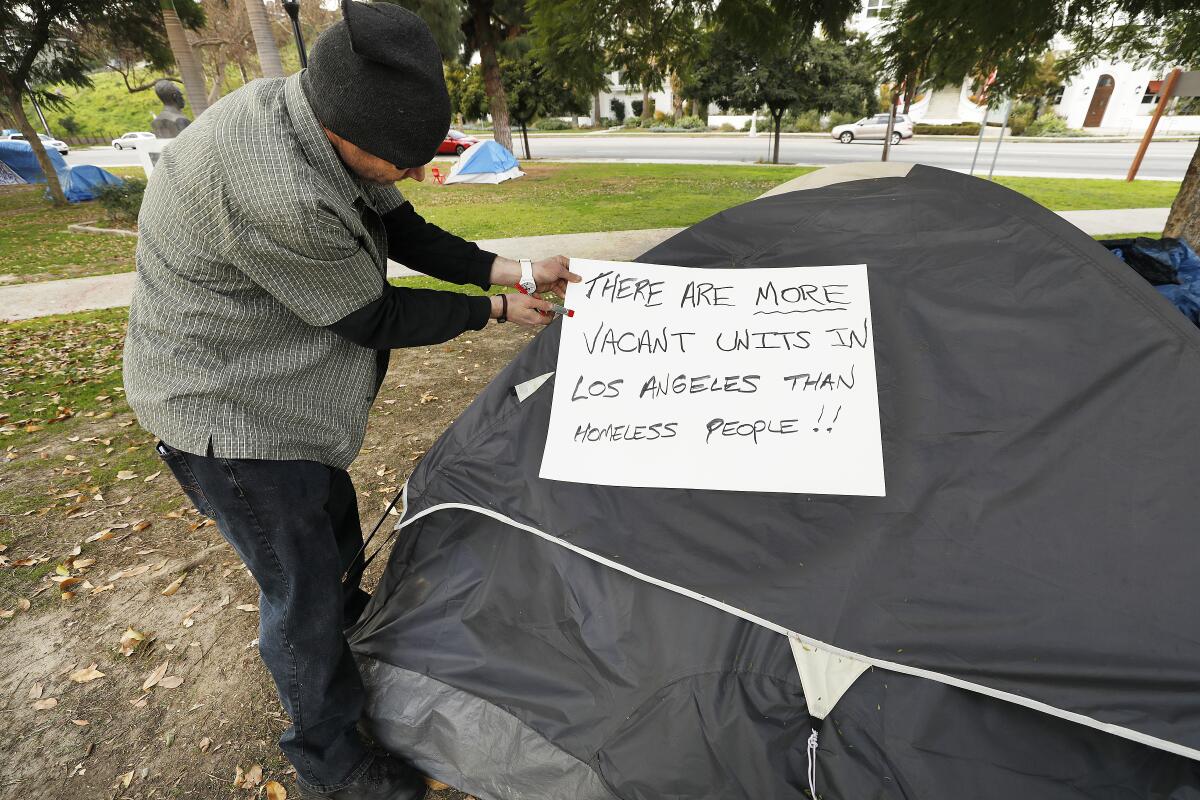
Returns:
(375,79)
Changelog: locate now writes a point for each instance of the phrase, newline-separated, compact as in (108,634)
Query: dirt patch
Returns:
(69,733)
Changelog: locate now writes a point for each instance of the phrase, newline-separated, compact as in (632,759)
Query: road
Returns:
(1165,160)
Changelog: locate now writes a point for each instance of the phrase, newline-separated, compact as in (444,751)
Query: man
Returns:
(259,336)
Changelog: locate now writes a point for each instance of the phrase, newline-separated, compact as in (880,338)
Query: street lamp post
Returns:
(292,7)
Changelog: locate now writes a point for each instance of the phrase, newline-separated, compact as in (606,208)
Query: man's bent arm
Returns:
(411,317)
(427,248)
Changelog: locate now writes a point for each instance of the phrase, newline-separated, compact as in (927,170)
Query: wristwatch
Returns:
(526,285)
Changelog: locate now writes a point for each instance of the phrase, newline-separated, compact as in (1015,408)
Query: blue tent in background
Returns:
(78,184)
(486,162)
(85,179)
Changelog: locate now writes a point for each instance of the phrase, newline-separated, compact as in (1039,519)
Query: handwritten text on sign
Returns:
(744,379)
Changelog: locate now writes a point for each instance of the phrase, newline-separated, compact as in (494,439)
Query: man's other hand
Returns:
(553,274)
(523,309)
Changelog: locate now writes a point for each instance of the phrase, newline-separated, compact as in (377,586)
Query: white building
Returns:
(1106,98)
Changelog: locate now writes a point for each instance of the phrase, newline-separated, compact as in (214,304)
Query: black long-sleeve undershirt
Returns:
(404,317)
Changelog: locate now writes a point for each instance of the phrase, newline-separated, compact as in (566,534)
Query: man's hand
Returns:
(550,274)
(523,309)
(553,274)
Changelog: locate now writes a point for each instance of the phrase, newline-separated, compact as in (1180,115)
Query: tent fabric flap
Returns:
(825,676)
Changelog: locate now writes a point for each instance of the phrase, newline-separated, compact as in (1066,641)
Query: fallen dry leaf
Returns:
(88,673)
(35,691)
(126,779)
(437,786)
(8,613)
(155,676)
(106,587)
(174,585)
(131,640)
(100,536)
(81,722)
(173,682)
(45,704)
(149,478)
(126,475)
(23,604)
(252,777)
(82,563)
(248,607)
(275,791)
(141,525)
(205,743)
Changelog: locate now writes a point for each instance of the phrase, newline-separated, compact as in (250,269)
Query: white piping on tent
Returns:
(949,680)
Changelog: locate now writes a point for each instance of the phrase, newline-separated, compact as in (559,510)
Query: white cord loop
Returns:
(812,764)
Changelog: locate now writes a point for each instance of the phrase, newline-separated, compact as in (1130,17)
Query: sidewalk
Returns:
(29,300)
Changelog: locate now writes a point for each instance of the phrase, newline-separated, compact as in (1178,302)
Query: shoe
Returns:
(385,778)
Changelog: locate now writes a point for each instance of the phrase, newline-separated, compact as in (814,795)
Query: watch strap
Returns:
(526,285)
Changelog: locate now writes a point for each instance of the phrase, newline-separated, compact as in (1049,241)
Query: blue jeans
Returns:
(295,525)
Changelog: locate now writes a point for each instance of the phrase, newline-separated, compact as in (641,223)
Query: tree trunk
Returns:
(778,122)
(26,127)
(676,97)
(264,40)
(646,112)
(596,109)
(525,139)
(1184,220)
(242,69)
(218,81)
(497,100)
(185,59)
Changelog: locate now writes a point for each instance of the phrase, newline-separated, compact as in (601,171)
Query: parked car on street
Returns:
(455,142)
(874,127)
(47,141)
(130,140)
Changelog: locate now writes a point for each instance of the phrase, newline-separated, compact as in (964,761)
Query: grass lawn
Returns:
(1085,194)
(552,198)
(582,198)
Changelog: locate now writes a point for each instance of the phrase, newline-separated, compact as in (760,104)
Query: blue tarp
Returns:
(85,179)
(1171,256)
(78,184)
(19,156)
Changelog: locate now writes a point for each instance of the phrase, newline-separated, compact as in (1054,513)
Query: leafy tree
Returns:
(486,27)
(947,39)
(799,72)
(566,44)
(533,93)
(40,46)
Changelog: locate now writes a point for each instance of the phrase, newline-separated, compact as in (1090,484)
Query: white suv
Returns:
(874,127)
(130,140)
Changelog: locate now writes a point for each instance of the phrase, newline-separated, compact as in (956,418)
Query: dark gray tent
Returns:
(1016,618)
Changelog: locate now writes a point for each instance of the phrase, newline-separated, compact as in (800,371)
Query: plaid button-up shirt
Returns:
(253,236)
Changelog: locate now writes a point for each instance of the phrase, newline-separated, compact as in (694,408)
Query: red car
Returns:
(455,142)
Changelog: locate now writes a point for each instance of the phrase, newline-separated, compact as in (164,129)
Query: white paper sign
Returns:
(756,380)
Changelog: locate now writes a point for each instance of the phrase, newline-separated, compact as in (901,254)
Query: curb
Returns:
(88,227)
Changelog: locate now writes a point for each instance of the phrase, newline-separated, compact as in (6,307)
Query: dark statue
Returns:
(170,121)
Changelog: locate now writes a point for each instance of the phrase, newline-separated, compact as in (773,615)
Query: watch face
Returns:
(529,286)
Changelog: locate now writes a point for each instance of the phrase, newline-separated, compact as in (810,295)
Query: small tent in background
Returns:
(85,180)
(486,162)
(78,183)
